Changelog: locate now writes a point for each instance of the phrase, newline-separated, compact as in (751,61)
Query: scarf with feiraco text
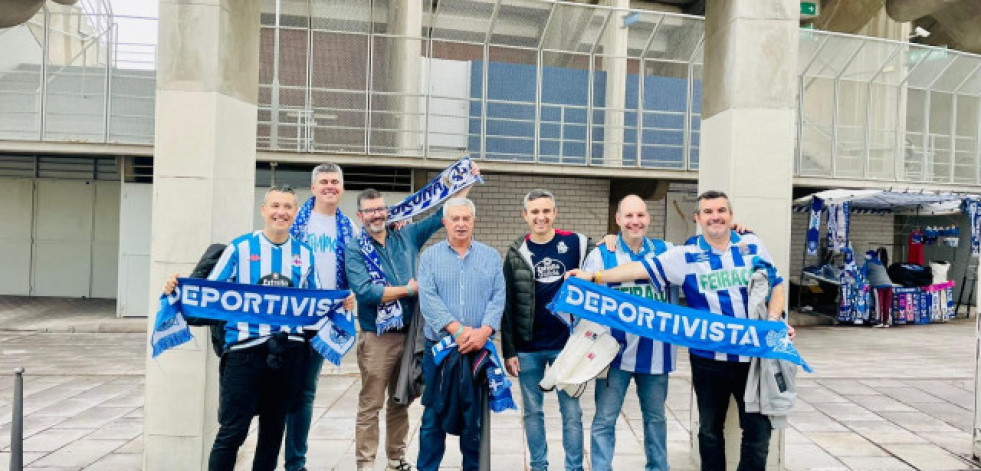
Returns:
(677,325)
(455,178)
(344,232)
(499,385)
(236,302)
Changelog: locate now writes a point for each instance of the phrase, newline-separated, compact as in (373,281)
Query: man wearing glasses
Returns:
(379,352)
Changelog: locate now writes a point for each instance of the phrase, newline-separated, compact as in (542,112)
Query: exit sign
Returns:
(809,10)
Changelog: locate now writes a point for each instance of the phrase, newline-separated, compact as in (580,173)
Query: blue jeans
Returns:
(651,390)
(301,414)
(714,381)
(432,438)
(532,371)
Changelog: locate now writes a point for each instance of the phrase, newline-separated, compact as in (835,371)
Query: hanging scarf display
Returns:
(814,226)
(838,221)
(973,209)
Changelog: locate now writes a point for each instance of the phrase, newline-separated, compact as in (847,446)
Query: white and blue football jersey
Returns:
(712,280)
(637,354)
(253,259)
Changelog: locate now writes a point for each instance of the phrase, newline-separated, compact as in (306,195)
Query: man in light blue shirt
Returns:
(461,293)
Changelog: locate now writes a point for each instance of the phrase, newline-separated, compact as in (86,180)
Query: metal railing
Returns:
(575,86)
(65,76)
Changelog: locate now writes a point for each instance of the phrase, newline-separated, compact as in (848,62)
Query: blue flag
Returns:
(677,325)
(236,302)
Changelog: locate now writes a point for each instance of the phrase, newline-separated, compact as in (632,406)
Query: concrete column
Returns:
(614,43)
(976,433)
(748,130)
(204,180)
(405,59)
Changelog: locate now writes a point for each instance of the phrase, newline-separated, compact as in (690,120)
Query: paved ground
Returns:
(898,398)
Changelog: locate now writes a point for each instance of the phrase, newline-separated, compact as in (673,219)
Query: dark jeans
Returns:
(301,414)
(432,438)
(714,382)
(249,387)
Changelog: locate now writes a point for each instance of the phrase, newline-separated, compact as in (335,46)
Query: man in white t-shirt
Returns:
(326,230)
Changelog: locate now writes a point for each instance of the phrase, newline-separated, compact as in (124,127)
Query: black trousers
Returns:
(714,382)
(248,386)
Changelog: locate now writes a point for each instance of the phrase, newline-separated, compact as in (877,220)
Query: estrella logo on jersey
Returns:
(725,278)
(254,257)
(549,269)
(297,261)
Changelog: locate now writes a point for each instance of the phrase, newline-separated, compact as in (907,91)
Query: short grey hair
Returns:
(279,189)
(460,202)
(538,193)
(326,167)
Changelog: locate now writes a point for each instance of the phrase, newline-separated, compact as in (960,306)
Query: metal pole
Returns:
(485,432)
(539,81)
(17,423)
(107,105)
(484,80)
(274,92)
(45,55)
(953,135)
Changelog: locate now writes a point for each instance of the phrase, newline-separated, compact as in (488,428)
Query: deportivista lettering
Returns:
(255,303)
(645,317)
(724,279)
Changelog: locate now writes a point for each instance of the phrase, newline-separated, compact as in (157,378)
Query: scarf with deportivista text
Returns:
(678,325)
(236,302)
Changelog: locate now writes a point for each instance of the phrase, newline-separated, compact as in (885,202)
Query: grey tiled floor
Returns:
(898,398)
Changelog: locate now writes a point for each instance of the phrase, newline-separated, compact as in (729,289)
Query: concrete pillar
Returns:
(204,180)
(748,129)
(405,59)
(976,433)
(614,43)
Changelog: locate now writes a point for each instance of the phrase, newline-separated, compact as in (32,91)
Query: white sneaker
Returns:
(399,465)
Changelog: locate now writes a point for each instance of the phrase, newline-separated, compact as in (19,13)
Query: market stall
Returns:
(870,290)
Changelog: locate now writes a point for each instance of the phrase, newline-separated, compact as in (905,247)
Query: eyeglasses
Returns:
(374,210)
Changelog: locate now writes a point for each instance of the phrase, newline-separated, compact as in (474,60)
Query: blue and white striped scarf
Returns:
(498,384)
(345,229)
(454,178)
(236,302)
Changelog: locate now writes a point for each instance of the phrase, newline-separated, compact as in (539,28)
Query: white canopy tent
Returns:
(905,203)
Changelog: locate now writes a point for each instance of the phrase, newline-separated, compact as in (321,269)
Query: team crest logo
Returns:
(297,261)
(778,341)
(561,247)
(338,336)
(743,249)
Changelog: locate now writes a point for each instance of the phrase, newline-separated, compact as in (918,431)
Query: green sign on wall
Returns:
(808,9)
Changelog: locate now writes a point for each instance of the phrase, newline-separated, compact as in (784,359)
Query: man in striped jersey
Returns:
(714,273)
(646,361)
(262,367)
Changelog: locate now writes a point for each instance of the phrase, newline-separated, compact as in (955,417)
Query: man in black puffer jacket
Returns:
(531,336)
